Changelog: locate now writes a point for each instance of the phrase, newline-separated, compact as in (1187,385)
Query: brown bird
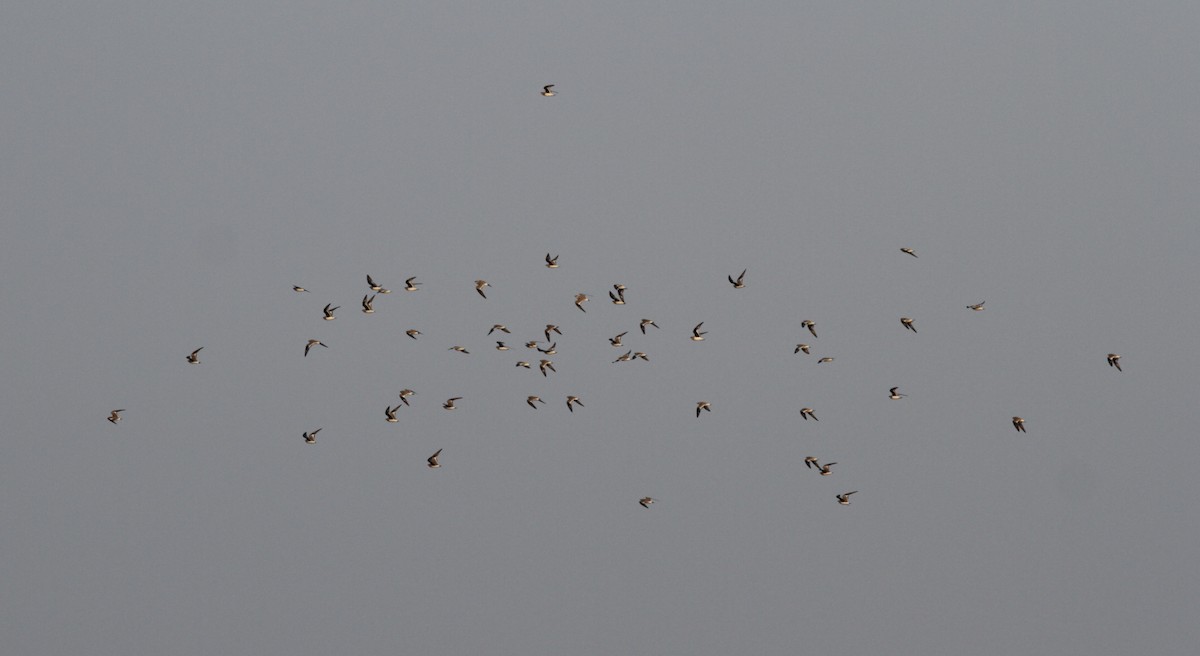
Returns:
(551,262)
(1114,360)
(616,341)
(573,400)
(329,311)
(546,364)
(413,333)
(909,251)
(501,346)
(646,501)
(194,357)
(1019,424)
(811,325)
(298,288)
(523,363)
(534,399)
(550,328)
(579,300)
(808,412)
(410,285)
(619,297)
(501,327)
(376,287)
(312,343)
(844,499)
(115,415)
(404,394)
(908,323)
(801,347)
(647,322)
(366,305)
(546,91)
(460,349)
(703,405)
(391,414)
(740,282)
(433,460)
(978,307)
(697,334)
(479,285)
(626,357)
(311,436)
(449,404)
(549,350)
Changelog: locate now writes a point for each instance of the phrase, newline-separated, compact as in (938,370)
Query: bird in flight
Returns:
(640,354)
(449,404)
(697,334)
(546,91)
(460,349)
(523,363)
(115,415)
(626,357)
(391,414)
(811,325)
(433,460)
(376,287)
(479,285)
(824,360)
(579,300)
(908,323)
(909,251)
(844,499)
(312,343)
(646,501)
(311,436)
(573,401)
(534,399)
(404,394)
(619,297)
(410,285)
(550,328)
(801,347)
(616,341)
(329,311)
(1114,360)
(893,394)
(808,412)
(298,288)
(647,322)
(1019,424)
(978,307)
(740,282)
(194,357)
(501,346)
(549,350)
(546,364)
(366,305)
(703,405)
(824,469)
(413,333)
(551,262)
(501,327)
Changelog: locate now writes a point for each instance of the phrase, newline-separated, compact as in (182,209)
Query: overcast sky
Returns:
(169,170)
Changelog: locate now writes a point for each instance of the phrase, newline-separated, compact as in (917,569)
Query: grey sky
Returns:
(167,172)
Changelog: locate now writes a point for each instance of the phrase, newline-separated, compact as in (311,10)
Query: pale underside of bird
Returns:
(549,350)
(449,404)
(811,461)
(522,363)
(479,285)
(329,311)
(824,469)
(367,306)
(646,501)
(580,299)
(391,414)
(432,462)
(641,354)
(376,287)
(647,322)
(978,307)
(625,357)
(298,288)
(618,298)
(801,347)
(808,412)
(551,262)
(909,251)
(311,436)
(811,325)
(311,343)
(703,405)
(534,399)
(501,346)
(573,401)
(1114,360)
(531,345)
(501,327)
(404,394)
(893,394)
(413,333)
(460,349)
(697,334)
(548,91)
(844,499)
(194,358)
(826,359)
(908,323)
(410,285)
(550,328)
(115,415)
(616,341)
(546,364)
(1019,424)
(740,282)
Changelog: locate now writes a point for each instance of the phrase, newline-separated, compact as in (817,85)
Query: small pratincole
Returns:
(626,357)
(410,285)
(844,499)
(115,415)
(404,394)
(1114,360)
(546,91)
(1019,424)
(579,301)
(376,287)
(646,501)
(616,341)
(366,305)
(811,325)
(449,404)
(808,412)
(572,401)
(501,327)
(298,288)
(311,436)
(391,413)
(329,311)
(551,262)
(697,334)
(543,365)
(893,394)
(647,322)
(194,357)
(619,297)
(909,251)
(551,328)
(433,460)
(801,347)
(534,399)
(460,349)
(501,346)
(479,285)
(740,282)
(413,333)
(312,343)
(522,363)
(908,323)
(978,307)
(703,405)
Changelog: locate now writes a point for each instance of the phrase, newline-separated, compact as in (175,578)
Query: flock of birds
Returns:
(617,296)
